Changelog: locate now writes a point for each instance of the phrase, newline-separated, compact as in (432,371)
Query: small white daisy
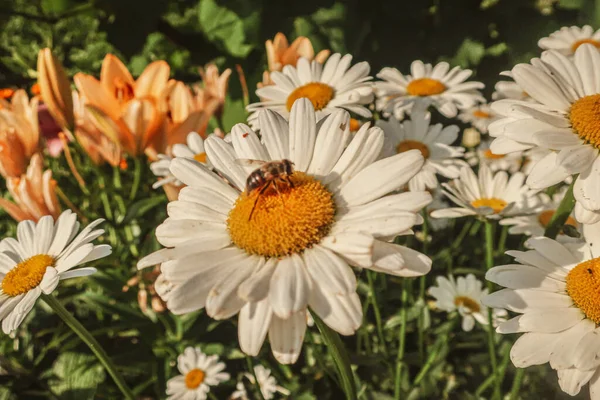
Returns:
(446,89)
(563,119)
(198,373)
(535,224)
(568,39)
(554,289)
(463,295)
(269,252)
(433,141)
(193,149)
(43,254)
(328,87)
(496,162)
(509,90)
(488,195)
(480,117)
(267,383)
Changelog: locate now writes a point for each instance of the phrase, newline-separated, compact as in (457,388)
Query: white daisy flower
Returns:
(445,89)
(488,195)
(496,162)
(270,252)
(198,373)
(193,149)
(554,288)
(563,119)
(509,90)
(463,295)
(568,39)
(434,143)
(535,224)
(43,254)
(480,117)
(329,87)
(267,383)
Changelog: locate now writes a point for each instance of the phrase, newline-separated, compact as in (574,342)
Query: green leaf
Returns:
(469,53)
(138,209)
(77,375)
(56,6)
(571,4)
(233,113)
(224,26)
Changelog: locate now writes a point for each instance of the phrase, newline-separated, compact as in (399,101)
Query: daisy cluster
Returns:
(338,178)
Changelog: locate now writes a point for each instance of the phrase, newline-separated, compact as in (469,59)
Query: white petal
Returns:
(253,323)
(342,313)
(289,287)
(303,133)
(256,287)
(329,272)
(571,380)
(356,248)
(533,349)
(286,336)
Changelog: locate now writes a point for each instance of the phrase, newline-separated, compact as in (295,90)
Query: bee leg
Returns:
(289,181)
(278,192)
(258,197)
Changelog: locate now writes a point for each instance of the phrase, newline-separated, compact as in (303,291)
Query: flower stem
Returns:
(377,312)
(88,339)
(489,261)
(137,173)
(562,213)
(401,339)
(250,365)
(516,386)
(422,283)
(340,357)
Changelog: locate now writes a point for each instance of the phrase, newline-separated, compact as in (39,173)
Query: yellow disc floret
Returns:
(583,285)
(492,156)
(26,275)
(407,145)
(468,303)
(584,41)
(319,94)
(425,87)
(585,119)
(285,221)
(481,114)
(495,204)
(194,378)
(200,157)
(545,217)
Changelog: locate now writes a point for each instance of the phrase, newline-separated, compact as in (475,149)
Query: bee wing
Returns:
(246,162)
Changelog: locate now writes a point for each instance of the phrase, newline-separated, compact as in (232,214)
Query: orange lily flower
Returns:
(131,113)
(19,133)
(34,193)
(55,89)
(280,53)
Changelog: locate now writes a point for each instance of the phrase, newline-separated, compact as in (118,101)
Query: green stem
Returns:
(340,357)
(137,173)
(516,386)
(250,365)
(562,213)
(377,312)
(489,261)
(89,340)
(422,283)
(401,339)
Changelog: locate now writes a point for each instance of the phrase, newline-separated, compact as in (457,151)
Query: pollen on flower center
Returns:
(194,378)
(425,87)
(495,204)
(584,41)
(407,145)
(491,156)
(200,157)
(583,285)
(285,220)
(468,303)
(585,119)
(481,114)
(26,275)
(545,217)
(318,93)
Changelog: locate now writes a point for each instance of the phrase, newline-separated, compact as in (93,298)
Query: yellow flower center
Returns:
(491,156)
(495,204)
(583,285)
(194,378)
(318,93)
(545,217)
(286,219)
(584,41)
(481,114)
(200,157)
(407,145)
(585,119)
(468,303)
(26,275)
(354,125)
(425,87)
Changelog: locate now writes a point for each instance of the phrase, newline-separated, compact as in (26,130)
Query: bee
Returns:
(269,173)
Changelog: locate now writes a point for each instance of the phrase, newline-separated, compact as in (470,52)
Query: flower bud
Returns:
(55,89)
(471,137)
